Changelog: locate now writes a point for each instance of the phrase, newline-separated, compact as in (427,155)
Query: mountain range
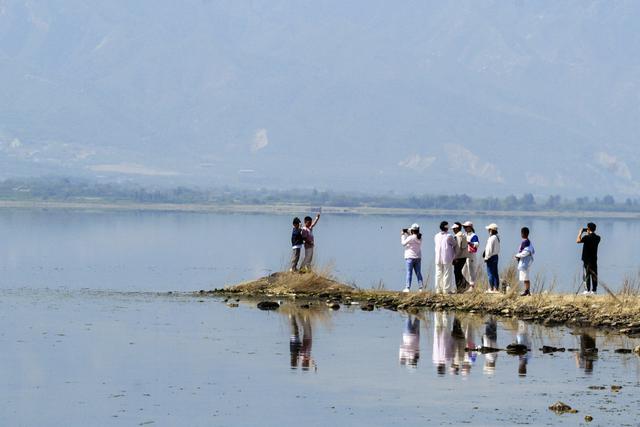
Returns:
(476,97)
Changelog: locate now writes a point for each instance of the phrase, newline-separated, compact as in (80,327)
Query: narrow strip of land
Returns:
(620,313)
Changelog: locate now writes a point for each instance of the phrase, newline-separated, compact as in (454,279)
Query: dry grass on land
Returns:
(621,311)
(293,283)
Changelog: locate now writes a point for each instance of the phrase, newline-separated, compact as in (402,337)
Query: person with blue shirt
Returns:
(470,270)
(525,258)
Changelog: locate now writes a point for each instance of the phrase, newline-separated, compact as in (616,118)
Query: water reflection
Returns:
(410,347)
(458,340)
(490,339)
(588,353)
(442,342)
(470,355)
(523,338)
(459,344)
(300,349)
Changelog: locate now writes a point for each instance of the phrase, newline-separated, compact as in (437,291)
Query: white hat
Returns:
(492,226)
(467,224)
(414,226)
(455,225)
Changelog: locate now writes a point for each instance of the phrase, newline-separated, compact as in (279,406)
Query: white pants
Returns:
(444,278)
(470,270)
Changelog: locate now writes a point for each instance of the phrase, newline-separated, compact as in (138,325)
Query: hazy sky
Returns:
(477,97)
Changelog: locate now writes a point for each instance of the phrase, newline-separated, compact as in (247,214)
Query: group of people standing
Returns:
(455,258)
(456,267)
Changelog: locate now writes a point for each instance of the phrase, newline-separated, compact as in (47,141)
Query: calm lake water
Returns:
(89,335)
(81,357)
(186,251)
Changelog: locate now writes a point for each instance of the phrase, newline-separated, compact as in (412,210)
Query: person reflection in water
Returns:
(410,347)
(300,348)
(470,343)
(442,342)
(522,337)
(490,339)
(459,341)
(588,353)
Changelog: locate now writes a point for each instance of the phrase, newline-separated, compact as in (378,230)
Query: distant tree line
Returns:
(73,189)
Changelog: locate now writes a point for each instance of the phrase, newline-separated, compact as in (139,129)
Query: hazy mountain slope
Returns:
(478,97)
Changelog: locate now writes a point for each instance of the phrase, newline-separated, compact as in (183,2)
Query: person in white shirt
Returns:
(490,255)
(309,242)
(525,258)
(411,239)
(445,248)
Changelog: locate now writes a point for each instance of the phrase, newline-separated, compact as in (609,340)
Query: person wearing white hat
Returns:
(411,239)
(470,268)
(491,251)
(445,247)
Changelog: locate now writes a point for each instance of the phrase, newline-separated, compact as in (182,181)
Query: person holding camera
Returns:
(411,239)
(590,241)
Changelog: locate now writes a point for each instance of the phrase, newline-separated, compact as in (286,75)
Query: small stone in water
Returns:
(561,408)
(268,305)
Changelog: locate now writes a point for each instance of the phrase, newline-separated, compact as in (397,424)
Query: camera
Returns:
(584,230)
(405,230)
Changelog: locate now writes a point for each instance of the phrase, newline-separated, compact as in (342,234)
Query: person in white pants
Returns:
(471,268)
(445,247)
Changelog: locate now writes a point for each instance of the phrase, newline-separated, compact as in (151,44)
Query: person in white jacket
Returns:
(445,248)
(491,251)
(411,239)
(525,258)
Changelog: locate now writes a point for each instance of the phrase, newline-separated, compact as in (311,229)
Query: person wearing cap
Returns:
(460,259)
(445,248)
(491,251)
(470,268)
(411,239)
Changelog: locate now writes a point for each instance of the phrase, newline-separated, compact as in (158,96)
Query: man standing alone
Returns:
(590,241)
(445,246)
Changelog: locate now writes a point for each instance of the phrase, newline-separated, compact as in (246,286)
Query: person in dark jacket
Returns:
(590,241)
(296,244)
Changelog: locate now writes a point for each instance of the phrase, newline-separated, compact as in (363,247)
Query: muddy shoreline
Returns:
(618,313)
